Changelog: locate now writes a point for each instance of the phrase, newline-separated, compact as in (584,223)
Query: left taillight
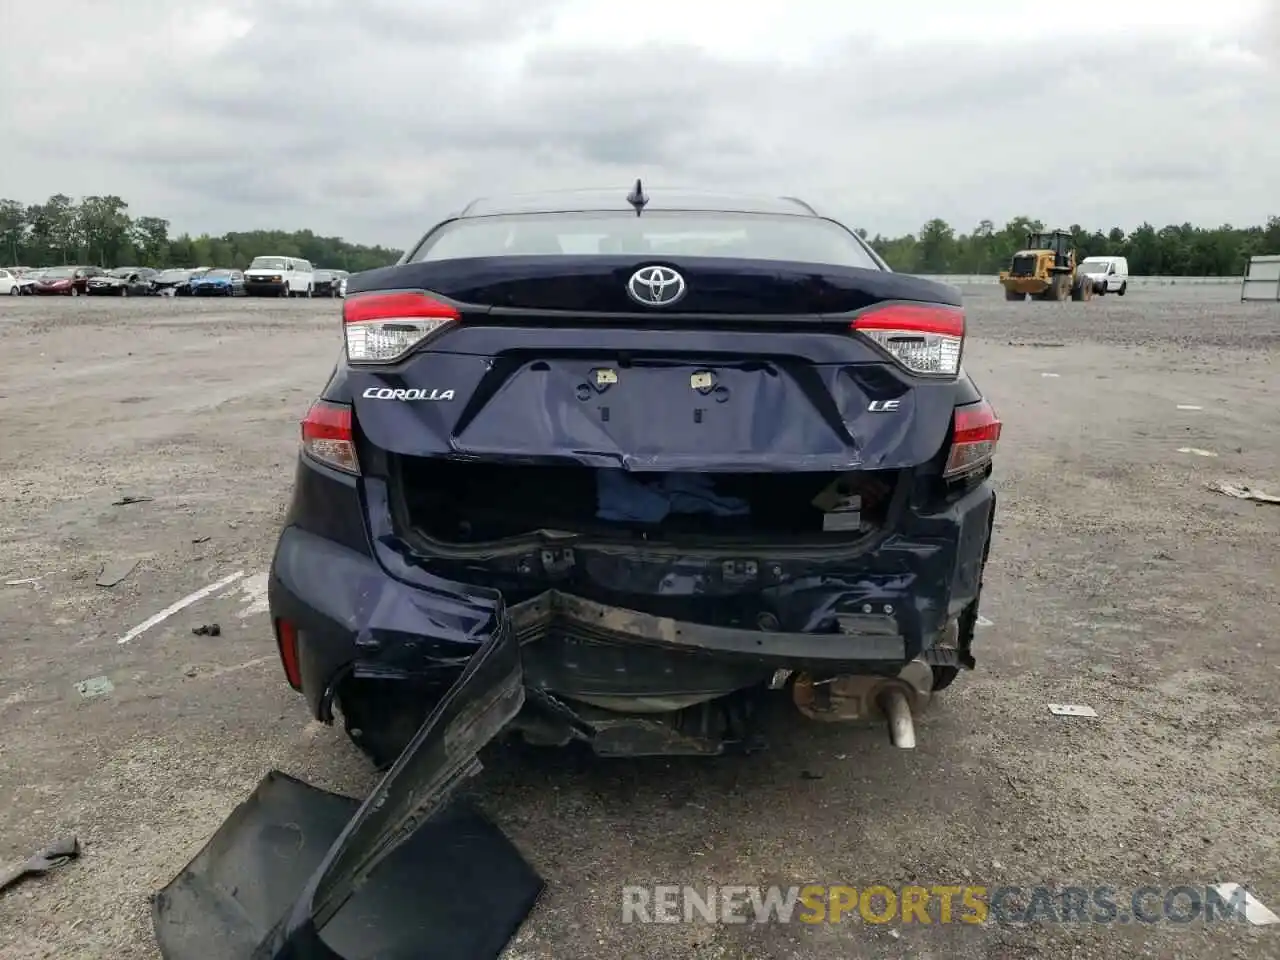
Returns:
(383,327)
(974,436)
(287,644)
(925,338)
(327,436)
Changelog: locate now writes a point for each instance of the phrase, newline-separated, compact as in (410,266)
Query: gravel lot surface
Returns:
(1117,580)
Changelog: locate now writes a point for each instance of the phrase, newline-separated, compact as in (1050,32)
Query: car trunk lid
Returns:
(550,359)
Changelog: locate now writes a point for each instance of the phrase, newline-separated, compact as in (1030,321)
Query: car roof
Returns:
(597,200)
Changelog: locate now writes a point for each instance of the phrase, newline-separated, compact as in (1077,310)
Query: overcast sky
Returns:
(372,118)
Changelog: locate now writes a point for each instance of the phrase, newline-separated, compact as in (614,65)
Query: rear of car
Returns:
(685,456)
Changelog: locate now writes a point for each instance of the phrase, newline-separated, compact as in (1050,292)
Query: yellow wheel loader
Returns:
(1046,270)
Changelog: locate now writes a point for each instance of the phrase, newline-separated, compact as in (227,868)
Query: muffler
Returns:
(851,697)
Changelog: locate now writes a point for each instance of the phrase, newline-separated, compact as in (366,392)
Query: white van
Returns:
(279,277)
(1110,274)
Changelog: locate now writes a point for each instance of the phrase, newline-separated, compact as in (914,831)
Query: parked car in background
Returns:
(66,281)
(27,280)
(9,284)
(280,277)
(1109,274)
(122,282)
(218,283)
(331,283)
(176,282)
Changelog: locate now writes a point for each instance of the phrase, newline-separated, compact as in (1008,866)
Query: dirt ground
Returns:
(1117,580)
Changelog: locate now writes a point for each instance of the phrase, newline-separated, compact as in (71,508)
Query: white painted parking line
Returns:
(254,591)
(1189,406)
(1197,451)
(182,604)
(1254,910)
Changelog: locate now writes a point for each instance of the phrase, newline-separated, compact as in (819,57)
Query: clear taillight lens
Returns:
(383,327)
(926,339)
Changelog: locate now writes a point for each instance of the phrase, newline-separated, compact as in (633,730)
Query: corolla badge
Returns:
(656,286)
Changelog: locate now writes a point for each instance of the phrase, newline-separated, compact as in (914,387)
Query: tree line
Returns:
(101,231)
(1176,251)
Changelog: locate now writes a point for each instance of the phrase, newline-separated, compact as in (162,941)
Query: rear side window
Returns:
(746,236)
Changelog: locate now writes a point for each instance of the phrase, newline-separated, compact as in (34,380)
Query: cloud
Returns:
(371,120)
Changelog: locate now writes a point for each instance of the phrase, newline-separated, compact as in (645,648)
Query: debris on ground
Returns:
(41,863)
(1049,374)
(207,630)
(1197,451)
(201,540)
(126,500)
(1033,343)
(95,687)
(982,621)
(24,580)
(1241,491)
(113,571)
(1189,406)
(1072,710)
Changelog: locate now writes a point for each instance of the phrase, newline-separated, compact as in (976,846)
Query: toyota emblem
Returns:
(656,286)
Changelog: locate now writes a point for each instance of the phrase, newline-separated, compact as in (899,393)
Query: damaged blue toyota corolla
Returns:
(683,449)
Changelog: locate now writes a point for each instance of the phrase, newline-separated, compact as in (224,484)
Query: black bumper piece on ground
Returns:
(296,873)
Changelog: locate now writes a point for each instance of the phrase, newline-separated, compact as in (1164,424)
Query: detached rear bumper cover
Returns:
(400,874)
(387,617)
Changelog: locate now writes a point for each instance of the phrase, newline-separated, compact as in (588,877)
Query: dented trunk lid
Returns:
(755,369)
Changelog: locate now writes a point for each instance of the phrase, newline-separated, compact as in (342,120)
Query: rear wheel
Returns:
(284,291)
(75,291)
(1123,287)
(124,291)
(1013,295)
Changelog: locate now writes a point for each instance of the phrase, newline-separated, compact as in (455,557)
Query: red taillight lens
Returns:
(383,327)
(287,642)
(973,439)
(327,436)
(924,338)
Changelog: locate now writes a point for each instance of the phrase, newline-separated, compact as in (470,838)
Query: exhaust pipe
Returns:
(902,729)
(864,697)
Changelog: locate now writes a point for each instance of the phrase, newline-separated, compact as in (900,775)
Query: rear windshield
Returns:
(59,273)
(748,236)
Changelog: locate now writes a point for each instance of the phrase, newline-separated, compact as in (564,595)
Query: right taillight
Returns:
(925,338)
(973,440)
(327,436)
(383,327)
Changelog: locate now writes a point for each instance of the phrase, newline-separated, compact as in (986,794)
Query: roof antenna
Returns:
(637,198)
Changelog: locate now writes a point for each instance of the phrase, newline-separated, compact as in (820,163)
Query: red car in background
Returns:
(66,281)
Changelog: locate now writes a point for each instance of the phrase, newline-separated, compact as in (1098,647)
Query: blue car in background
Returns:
(218,283)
